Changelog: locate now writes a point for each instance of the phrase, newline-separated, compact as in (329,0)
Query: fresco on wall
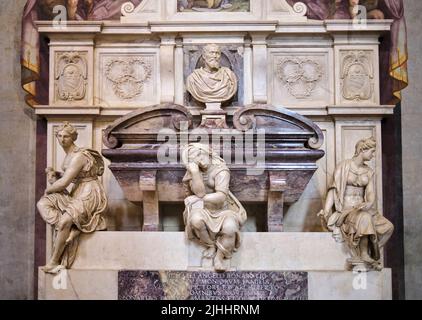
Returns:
(393,49)
(34,51)
(213,5)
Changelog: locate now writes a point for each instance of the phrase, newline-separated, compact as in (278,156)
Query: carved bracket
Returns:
(148,185)
(148,181)
(275,205)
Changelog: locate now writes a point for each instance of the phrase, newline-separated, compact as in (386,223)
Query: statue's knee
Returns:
(390,228)
(65,222)
(366,217)
(197,222)
(230,226)
(42,204)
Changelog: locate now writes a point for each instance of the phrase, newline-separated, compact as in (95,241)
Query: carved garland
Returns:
(300,76)
(128,77)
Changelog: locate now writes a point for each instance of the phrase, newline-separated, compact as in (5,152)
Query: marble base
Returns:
(314,285)
(171,251)
(113,265)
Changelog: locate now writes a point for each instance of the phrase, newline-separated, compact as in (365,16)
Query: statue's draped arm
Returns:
(76,165)
(222,180)
(370,193)
(197,184)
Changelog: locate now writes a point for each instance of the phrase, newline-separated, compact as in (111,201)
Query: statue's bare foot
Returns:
(354,260)
(367,259)
(52,267)
(219,263)
(209,253)
(377,266)
(73,234)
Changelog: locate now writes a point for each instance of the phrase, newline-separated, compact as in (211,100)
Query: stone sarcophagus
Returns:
(271,152)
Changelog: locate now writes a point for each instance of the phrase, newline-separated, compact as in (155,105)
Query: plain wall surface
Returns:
(17,163)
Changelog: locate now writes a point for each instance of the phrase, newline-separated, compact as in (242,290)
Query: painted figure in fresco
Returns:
(212,83)
(47,7)
(393,49)
(340,9)
(350,209)
(72,7)
(213,216)
(83,9)
(206,4)
(79,211)
(371,8)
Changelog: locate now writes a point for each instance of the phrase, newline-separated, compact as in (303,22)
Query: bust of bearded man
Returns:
(212,83)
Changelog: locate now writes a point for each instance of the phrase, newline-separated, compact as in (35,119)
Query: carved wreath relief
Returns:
(357,76)
(300,76)
(128,76)
(71,76)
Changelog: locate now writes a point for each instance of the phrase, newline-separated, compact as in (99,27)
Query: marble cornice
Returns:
(324,111)
(223,26)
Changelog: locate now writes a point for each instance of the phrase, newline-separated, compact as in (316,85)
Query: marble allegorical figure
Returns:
(78,211)
(213,215)
(350,211)
(212,83)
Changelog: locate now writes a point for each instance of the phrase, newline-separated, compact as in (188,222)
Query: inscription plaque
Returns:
(183,285)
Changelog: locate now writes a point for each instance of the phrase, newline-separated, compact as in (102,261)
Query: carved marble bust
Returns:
(212,83)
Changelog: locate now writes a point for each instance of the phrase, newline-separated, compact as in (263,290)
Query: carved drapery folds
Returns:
(357,75)
(71,76)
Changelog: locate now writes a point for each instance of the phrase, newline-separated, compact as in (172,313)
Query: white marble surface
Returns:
(327,285)
(170,251)
(78,285)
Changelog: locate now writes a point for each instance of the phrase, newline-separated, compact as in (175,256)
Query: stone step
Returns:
(77,284)
(171,251)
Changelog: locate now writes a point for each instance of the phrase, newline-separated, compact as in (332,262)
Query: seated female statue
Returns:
(350,211)
(82,209)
